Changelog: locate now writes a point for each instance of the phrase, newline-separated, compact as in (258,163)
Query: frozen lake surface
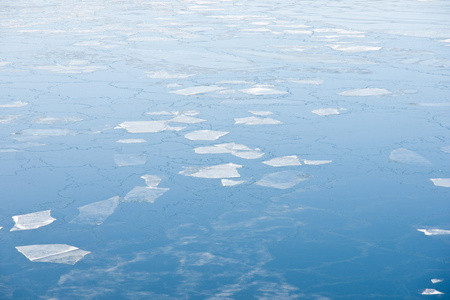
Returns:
(222,149)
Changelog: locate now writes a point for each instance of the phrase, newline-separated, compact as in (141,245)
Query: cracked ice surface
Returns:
(32,221)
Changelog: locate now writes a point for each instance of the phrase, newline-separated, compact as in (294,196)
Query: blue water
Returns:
(347,230)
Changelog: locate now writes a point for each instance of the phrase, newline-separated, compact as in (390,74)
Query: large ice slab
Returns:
(405,156)
(291,160)
(283,179)
(218,171)
(431,292)
(53,253)
(365,92)
(434,231)
(443,182)
(256,121)
(238,150)
(32,221)
(205,135)
(147,126)
(96,213)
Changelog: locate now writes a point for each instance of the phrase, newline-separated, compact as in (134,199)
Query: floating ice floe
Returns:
(229,182)
(435,280)
(218,171)
(8,119)
(256,121)
(327,111)
(196,90)
(148,193)
(291,160)
(186,119)
(260,90)
(434,231)
(316,162)
(53,253)
(75,67)
(405,156)
(96,213)
(14,104)
(283,180)
(431,292)
(443,182)
(147,126)
(45,132)
(313,81)
(131,141)
(365,92)
(32,221)
(431,104)
(445,41)
(350,48)
(161,113)
(205,135)
(446,149)
(52,120)
(238,150)
(260,112)
(124,160)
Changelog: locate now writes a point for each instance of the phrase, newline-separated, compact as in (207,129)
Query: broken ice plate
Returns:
(53,253)
(32,221)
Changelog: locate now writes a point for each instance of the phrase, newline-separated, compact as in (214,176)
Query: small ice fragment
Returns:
(260,90)
(45,132)
(444,182)
(431,292)
(326,111)
(283,179)
(436,280)
(405,156)
(96,213)
(284,161)
(251,154)
(365,92)
(123,160)
(7,119)
(256,121)
(144,194)
(196,90)
(260,112)
(205,135)
(238,150)
(1,227)
(131,141)
(14,104)
(347,48)
(219,171)
(147,126)
(446,149)
(434,231)
(151,180)
(316,162)
(186,119)
(54,253)
(32,221)
(52,120)
(229,182)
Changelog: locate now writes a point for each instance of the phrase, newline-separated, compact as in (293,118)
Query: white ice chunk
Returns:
(365,92)
(219,171)
(45,132)
(445,41)
(405,156)
(151,180)
(123,160)
(96,213)
(260,90)
(283,179)
(238,150)
(52,120)
(446,149)
(205,135)
(431,292)
(229,182)
(165,75)
(32,221)
(291,160)
(8,119)
(435,280)
(260,112)
(349,48)
(14,104)
(54,253)
(326,111)
(434,231)
(256,121)
(316,162)
(444,182)
(1,227)
(196,90)
(252,154)
(186,119)
(147,126)
(131,141)
(144,194)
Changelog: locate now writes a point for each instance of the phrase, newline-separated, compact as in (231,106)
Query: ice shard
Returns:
(148,193)
(217,171)
(32,221)
(434,231)
(443,182)
(124,160)
(431,292)
(405,156)
(291,160)
(147,126)
(365,92)
(256,121)
(53,253)
(205,135)
(283,179)
(96,213)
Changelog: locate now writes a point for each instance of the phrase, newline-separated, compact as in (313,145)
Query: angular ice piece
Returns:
(436,280)
(251,154)
(219,171)
(326,111)
(151,180)
(365,92)
(14,104)
(431,292)
(283,179)
(1,227)
(434,231)
(144,194)
(186,119)
(405,156)
(52,120)
(446,149)
(259,90)
(316,162)
(205,135)
(238,150)
(96,213)
(7,119)
(291,160)
(45,132)
(32,221)
(349,48)
(131,141)
(147,126)
(229,182)
(444,182)
(260,112)
(196,90)
(54,253)
(256,121)
(123,160)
